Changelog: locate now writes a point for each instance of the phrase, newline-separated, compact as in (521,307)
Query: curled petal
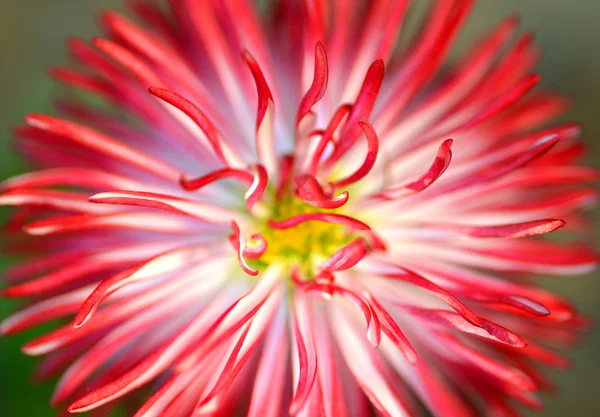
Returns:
(439,165)
(258,186)
(370,158)
(239,245)
(348,256)
(320,217)
(361,109)
(310,191)
(327,136)
(199,119)
(265,119)
(211,177)
(264,93)
(319,84)
(255,247)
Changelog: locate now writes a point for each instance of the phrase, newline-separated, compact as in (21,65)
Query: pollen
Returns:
(306,245)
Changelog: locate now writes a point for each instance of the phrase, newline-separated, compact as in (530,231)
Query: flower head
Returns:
(298,215)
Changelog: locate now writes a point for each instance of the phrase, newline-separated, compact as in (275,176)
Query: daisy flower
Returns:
(298,213)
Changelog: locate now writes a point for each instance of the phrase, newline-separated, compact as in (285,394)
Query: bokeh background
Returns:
(32,34)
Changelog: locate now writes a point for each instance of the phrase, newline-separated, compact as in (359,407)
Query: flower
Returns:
(289,231)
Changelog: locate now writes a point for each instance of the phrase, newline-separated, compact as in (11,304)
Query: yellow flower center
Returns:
(306,245)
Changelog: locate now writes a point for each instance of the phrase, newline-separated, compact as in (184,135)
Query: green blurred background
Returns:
(32,34)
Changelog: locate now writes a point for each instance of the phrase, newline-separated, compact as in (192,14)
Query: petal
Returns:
(364,365)
(304,353)
(438,167)
(269,384)
(319,83)
(202,211)
(370,158)
(320,217)
(265,118)
(509,231)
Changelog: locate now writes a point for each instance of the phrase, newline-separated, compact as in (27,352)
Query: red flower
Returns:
(289,231)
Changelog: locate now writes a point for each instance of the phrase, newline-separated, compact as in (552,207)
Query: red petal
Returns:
(370,158)
(305,349)
(197,183)
(438,167)
(418,280)
(310,191)
(509,231)
(320,217)
(104,145)
(361,109)
(348,256)
(319,84)
(258,186)
(239,245)
(202,211)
